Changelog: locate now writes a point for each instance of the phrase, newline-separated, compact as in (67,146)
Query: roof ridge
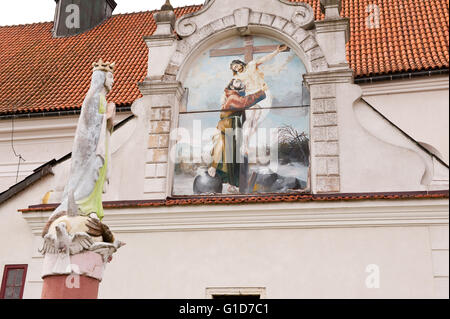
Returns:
(113,15)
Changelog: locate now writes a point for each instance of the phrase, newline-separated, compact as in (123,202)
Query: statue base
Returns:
(55,287)
(72,277)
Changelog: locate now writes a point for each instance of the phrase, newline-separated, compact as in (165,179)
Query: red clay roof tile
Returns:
(40,73)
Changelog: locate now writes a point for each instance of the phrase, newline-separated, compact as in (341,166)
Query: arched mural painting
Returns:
(244,126)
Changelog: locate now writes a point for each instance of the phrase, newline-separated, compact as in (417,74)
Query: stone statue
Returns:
(90,154)
(75,226)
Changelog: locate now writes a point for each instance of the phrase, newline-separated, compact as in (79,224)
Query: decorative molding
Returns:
(377,213)
(305,41)
(184,26)
(241,19)
(303,16)
(161,88)
(406,86)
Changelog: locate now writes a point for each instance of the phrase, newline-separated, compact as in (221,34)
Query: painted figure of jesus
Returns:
(253,79)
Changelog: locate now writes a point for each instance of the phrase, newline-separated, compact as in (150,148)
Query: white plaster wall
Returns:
(420,107)
(302,263)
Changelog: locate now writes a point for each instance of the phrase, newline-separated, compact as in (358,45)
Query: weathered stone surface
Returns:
(172,69)
(177,58)
(321,166)
(327,149)
(308,43)
(333,166)
(150,170)
(205,31)
(255,17)
(161,170)
(194,39)
(155,185)
(157,155)
(218,25)
(323,106)
(315,53)
(326,184)
(228,21)
(300,35)
(160,127)
(183,47)
(267,19)
(279,23)
(320,64)
(323,91)
(332,133)
(290,28)
(319,134)
(325,119)
(158,141)
(161,101)
(241,17)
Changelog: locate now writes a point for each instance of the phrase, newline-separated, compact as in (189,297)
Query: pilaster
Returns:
(164,97)
(325,165)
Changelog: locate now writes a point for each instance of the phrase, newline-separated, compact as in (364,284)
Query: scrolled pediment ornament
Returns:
(303,16)
(185,27)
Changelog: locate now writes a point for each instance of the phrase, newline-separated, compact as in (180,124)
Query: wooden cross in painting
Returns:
(247,51)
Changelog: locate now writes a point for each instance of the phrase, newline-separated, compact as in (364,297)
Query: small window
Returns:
(236,293)
(13,282)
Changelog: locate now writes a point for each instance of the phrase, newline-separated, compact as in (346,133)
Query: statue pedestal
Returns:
(72,277)
(55,287)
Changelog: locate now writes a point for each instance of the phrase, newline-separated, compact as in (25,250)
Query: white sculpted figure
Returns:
(90,154)
(76,225)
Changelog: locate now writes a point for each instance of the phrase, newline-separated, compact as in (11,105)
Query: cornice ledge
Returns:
(405,86)
(160,87)
(265,216)
(344,75)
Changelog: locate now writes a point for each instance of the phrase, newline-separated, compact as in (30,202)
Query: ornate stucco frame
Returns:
(288,22)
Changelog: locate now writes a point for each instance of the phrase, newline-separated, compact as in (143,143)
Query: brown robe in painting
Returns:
(224,153)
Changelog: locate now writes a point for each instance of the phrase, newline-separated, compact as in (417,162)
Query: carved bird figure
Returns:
(65,243)
(107,249)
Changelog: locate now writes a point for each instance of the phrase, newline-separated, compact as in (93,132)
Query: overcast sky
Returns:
(31,11)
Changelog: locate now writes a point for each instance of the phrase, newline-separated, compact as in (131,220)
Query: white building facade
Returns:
(371,222)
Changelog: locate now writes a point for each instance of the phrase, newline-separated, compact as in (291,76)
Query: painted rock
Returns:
(206,184)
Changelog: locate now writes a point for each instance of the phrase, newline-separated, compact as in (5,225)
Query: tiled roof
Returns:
(40,73)
(412,35)
(246,199)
